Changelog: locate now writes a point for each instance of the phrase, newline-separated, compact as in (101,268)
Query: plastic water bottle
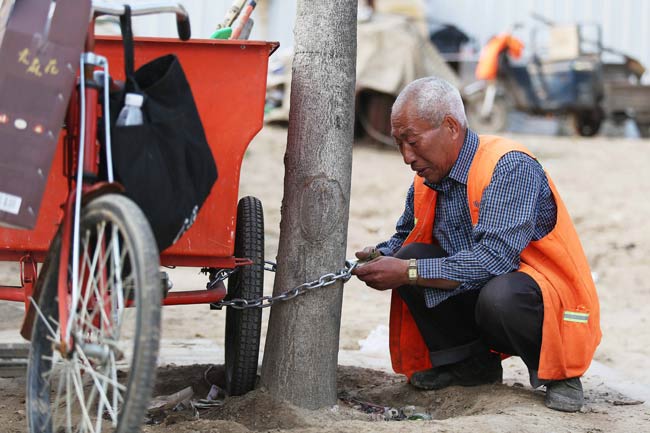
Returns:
(131,113)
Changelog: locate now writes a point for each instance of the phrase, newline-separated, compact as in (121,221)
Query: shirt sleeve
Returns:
(404,226)
(507,219)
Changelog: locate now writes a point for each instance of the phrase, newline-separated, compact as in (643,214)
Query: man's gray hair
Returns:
(434,98)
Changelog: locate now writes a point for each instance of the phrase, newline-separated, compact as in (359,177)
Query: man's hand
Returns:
(367,254)
(382,273)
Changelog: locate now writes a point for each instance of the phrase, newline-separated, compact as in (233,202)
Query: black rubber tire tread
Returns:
(42,280)
(145,259)
(243,327)
(587,124)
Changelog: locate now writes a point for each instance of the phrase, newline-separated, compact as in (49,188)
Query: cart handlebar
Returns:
(182,17)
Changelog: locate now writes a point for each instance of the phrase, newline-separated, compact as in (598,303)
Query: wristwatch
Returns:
(413,271)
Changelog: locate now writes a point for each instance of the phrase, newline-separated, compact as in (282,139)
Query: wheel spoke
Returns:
(103,282)
(68,395)
(91,288)
(116,395)
(75,272)
(97,375)
(42,316)
(82,309)
(118,261)
(78,385)
(123,291)
(53,362)
(100,388)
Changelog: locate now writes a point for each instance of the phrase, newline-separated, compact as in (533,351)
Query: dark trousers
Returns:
(505,315)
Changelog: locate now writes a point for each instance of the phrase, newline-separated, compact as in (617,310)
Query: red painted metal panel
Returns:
(228,80)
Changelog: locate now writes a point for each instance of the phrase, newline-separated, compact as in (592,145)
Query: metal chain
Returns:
(343,274)
(219,275)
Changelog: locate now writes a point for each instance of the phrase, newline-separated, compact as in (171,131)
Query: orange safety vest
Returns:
(571,329)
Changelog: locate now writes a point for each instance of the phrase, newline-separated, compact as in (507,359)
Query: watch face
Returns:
(413,270)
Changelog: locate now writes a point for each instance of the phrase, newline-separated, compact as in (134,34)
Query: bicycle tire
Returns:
(373,113)
(243,327)
(496,121)
(111,226)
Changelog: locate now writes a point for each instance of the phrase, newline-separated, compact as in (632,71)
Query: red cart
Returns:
(90,368)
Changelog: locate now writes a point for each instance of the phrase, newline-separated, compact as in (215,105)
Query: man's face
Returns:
(431,152)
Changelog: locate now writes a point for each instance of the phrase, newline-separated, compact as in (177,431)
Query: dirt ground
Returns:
(604,182)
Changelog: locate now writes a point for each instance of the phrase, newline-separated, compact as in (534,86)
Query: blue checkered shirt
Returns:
(516,208)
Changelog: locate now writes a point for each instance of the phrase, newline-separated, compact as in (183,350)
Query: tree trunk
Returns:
(301,352)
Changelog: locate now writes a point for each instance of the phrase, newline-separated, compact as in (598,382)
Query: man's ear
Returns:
(453,126)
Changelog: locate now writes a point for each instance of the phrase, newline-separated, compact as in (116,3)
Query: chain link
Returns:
(343,274)
(219,275)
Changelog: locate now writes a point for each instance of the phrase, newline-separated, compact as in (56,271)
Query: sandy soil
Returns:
(604,182)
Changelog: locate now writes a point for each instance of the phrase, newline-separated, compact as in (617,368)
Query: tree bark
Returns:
(301,352)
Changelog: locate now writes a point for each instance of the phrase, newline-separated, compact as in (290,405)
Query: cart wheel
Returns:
(102,382)
(644,129)
(587,123)
(373,113)
(243,327)
(496,121)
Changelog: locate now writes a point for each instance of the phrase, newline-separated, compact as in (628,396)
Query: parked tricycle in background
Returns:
(564,75)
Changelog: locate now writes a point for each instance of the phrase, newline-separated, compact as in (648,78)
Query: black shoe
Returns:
(564,395)
(479,370)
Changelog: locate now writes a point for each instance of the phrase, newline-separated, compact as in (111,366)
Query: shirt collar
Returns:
(460,170)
